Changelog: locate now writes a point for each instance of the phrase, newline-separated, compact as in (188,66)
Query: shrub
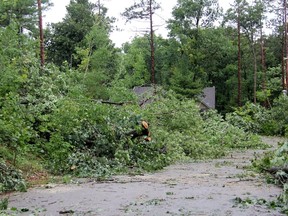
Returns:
(10,178)
(250,117)
(279,112)
(257,119)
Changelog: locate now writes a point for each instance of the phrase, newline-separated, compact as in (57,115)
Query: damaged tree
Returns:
(143,132)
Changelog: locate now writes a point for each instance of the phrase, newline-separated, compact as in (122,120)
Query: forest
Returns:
(67,105)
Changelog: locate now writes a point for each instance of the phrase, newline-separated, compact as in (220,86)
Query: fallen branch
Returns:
(114,103)
(274,170)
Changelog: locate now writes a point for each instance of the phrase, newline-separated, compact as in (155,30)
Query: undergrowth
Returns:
(274,165)
(10,178)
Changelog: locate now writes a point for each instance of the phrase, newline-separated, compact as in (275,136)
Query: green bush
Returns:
(228,136)
(257,119)
(279,114)
(15,130)
(250,117)
(270,128)
(85,164)
(10,178)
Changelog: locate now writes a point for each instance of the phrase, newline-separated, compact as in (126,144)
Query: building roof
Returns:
(207,98)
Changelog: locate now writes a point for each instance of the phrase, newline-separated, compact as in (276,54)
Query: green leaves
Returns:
(257,119)
(194,14)
(10,179)
(136,62)
(275,163)
(65,36)
(24,13)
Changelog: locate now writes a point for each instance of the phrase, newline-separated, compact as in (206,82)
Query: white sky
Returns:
(115,7)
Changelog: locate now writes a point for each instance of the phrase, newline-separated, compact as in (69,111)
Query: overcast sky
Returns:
(115,7)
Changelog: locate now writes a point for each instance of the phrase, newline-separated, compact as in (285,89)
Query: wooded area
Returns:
(66,99)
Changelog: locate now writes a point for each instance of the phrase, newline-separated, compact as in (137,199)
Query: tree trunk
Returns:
(152,45)
(282,60)
(99,7)
(255,74)
(264,68)
(263,61)
(42,55)
(239,58)
(286,44)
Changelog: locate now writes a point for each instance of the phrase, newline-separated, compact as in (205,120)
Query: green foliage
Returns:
(257,119)
(195,14)
(136,62)
(249,117)
(276,159)
(10,178)
(279,118)
(228,135)
(263,96)
(274,82)
(3,204)
(24,12)
(185,133)
(85,164)
(77,121)
(99,60)
(91,137)
(15,59)
(63,37)
(284,198)
(15,130)
(194,60)
(140,10)
(281,156)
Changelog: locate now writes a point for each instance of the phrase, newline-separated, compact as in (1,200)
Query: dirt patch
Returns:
(216,187)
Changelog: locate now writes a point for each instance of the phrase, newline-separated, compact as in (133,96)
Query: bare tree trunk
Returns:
(99,7)
(264,68)
(42,55)
(283,48)
(263,61)
(152,45)
(286,44)
(283,63)
(255,74)
(239,58)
